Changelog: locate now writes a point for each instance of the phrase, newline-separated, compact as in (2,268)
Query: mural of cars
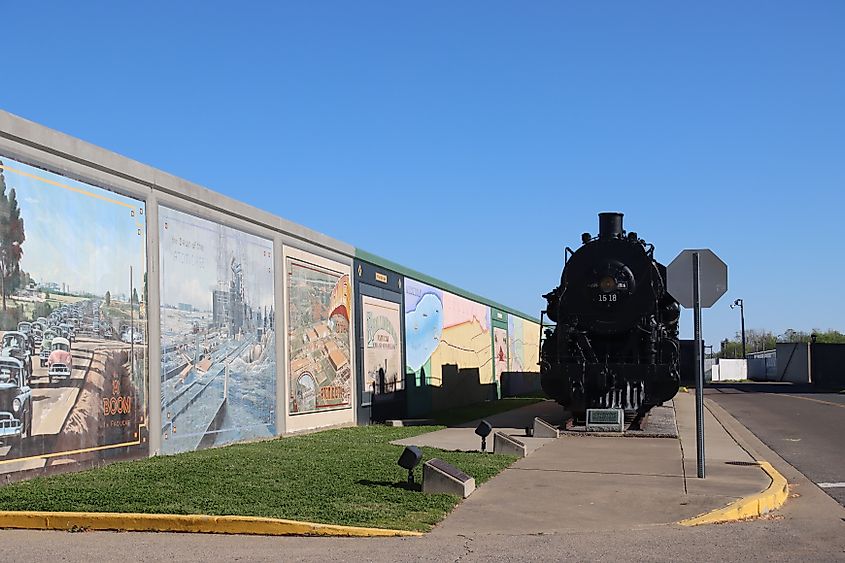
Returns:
(15,401)
(37,336)
(26,328)
(46,345)
(16,345)
(68,331)
(60,361)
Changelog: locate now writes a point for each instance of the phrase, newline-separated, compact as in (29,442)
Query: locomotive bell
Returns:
(610,225)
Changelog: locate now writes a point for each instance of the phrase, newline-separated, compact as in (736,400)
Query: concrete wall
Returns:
(793,362)
(185,300)
(827,364)
(729,370)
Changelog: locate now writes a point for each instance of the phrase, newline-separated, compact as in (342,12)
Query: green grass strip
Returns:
(345,476)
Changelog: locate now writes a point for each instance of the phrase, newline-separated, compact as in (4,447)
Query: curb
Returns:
(34,520)
(751,506)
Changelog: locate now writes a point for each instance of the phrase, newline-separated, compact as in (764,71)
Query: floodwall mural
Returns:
(218,358)
(383,371)
(500,351)
(73,295)
(531,345)
(443,328)
(523,344)
(319,302)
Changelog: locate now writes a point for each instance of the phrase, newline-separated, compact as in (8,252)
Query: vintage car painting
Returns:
(15,402)
(60,361)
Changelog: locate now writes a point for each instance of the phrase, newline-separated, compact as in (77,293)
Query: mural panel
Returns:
(383,371)
(443,328)
(523,344)
(73,363)
(319,336)
(531,345)
(516,344)
(500,351)
(218,372)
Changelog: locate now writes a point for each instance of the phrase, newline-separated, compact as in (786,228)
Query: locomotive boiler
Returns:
(615,339)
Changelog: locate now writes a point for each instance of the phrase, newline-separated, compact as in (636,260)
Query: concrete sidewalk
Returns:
(463,438)
(587,483)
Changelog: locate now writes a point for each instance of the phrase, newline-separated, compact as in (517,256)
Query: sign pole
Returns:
(699,364)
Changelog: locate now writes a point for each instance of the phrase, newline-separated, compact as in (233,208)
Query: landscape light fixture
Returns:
(409,459)
(739,303)
(483,430)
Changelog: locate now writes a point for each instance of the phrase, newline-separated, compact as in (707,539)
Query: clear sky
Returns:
(475,140)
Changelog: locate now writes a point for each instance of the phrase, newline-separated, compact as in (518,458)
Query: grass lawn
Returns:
(345,476)
(460,415)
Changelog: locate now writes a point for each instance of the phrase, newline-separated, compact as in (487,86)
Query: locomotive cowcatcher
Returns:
(615,341)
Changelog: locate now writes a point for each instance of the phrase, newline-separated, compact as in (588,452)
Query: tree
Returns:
(12,237)
(135,295)
(108,298)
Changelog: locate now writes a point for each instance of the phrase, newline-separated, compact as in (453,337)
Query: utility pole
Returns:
(739,303)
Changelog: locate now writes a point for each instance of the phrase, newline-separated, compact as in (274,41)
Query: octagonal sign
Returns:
(713,274)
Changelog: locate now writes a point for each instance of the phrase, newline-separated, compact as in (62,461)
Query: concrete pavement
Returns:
(579,483)
(463,438)
(541,509)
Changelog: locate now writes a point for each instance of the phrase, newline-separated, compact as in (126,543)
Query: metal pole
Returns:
(699,364)
(742,322)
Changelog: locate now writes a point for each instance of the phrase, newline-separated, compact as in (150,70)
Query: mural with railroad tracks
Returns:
(218,359)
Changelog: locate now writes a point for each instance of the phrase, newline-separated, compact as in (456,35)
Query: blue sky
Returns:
(475,140)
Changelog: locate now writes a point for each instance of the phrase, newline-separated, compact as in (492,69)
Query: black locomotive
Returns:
(615,342)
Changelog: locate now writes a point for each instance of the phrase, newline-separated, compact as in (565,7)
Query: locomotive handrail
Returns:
(650,251)
(566,254)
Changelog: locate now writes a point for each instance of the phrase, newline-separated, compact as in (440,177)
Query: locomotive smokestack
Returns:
(610,225)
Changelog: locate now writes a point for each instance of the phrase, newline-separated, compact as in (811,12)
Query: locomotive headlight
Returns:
(16,405)
(607,284)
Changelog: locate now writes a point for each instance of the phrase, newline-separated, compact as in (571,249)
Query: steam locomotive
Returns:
(615,341)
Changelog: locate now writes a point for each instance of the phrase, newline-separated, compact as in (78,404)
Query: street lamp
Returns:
(741,305)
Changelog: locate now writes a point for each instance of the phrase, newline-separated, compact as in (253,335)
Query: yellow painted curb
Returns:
(33,520)
(751,506)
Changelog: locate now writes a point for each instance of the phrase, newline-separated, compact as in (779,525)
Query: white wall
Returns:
(730,370)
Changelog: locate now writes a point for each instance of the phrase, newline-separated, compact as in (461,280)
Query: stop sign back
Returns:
(713,274)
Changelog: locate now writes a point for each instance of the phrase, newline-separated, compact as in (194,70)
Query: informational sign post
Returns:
(697,279)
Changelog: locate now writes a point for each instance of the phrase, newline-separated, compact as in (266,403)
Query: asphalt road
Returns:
(804,427)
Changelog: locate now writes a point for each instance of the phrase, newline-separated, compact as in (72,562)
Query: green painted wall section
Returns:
(440,284)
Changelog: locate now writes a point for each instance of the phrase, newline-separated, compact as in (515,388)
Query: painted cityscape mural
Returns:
(319,336)
(383,371)
(443,328)
(73,294)
(218,372)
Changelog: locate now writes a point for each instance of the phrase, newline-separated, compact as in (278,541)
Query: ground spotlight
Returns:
(409,459)
(483,430)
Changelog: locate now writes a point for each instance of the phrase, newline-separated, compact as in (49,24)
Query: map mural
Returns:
(319,336)
(443,328)
(383,371)
(73,309)
(218,358)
